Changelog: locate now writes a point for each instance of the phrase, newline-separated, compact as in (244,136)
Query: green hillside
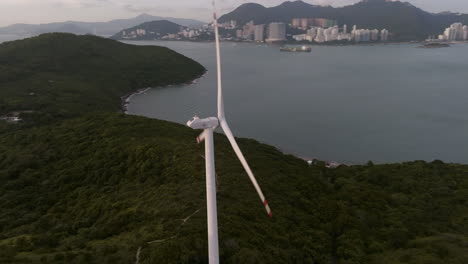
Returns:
(98,187)
(63,75)
(94,189)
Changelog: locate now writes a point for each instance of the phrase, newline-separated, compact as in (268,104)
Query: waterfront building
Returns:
(320,38)
(233,24)
(248,31)
(276,32)
(239,33)
(331,33)
(305,23)
(384,35)
(259,33)
(300,37)
(141,32)
(296,22)
(325,23)
(311,34)
(456,32)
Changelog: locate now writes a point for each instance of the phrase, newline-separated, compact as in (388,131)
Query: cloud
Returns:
(147,9)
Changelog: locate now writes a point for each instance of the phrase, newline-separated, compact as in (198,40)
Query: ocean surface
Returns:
(350,104)
(4,37)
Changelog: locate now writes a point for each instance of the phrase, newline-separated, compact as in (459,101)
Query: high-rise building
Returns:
(276,32)
(311,34)
(296,22)
(384,35)
(259,33)
(233,23)
(305,23)
(374,35)
(248,31)
(320,35)
(345,29)
(239,33)
(456,32)
(331,33)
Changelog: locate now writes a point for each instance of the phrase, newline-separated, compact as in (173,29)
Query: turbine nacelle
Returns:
(197,123)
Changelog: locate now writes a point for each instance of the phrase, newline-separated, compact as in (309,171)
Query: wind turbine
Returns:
(209,125)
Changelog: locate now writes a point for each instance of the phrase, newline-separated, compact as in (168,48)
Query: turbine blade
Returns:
(201,137)
(246,166)
(218,64)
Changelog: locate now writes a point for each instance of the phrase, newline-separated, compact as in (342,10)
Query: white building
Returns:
(374,35)
(384,35)
(300,37)
(456,32)
(320,38)
(276,32)
(259,33)
(239,33)
(311,34)
(249,31)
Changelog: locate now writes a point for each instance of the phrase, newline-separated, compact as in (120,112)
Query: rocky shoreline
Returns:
(125,99)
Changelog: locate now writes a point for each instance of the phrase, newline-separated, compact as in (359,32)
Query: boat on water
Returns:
(433,45)
(297,49)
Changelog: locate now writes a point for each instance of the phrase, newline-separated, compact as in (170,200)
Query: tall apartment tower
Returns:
(276,32)
(259,33)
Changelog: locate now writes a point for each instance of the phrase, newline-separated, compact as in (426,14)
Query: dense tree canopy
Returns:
(63,75)
(96,188)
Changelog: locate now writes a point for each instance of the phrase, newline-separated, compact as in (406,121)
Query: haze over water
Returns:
(385,103)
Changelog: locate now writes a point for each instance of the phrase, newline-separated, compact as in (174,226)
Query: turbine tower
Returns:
(208,125)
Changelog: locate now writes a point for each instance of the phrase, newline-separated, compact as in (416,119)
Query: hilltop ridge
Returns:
(63,75)
(99,28)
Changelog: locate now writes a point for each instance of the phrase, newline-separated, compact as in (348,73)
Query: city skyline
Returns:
(47,11)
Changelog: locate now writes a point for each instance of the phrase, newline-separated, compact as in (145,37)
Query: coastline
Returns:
(301,43)
(125,99)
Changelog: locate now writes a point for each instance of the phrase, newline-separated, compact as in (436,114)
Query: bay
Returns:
(351,104)
(9,37)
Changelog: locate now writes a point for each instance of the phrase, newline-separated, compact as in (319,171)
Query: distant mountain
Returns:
(98,28)
(149,31)
(404,20)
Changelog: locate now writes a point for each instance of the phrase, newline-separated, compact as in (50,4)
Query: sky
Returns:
(45,11)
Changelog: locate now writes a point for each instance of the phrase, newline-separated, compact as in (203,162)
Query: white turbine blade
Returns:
(242,159)
(218,63)
(201,137)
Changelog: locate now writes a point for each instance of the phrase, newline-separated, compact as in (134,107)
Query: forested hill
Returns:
(405,21)
(96,187)
(63,75)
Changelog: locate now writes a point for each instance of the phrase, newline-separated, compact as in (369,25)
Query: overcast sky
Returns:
(44,11)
